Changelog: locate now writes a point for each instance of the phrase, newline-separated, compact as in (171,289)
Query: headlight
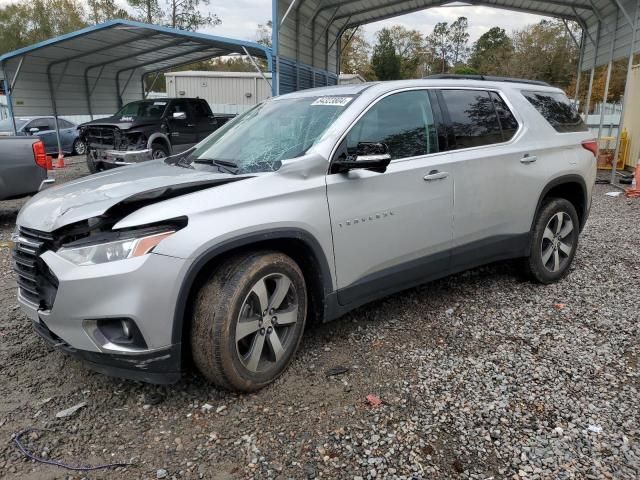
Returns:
(112,251)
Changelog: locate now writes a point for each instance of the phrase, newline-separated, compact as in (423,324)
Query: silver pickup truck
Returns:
(23,166)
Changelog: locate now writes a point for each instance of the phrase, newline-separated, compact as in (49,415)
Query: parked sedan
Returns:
(45,129)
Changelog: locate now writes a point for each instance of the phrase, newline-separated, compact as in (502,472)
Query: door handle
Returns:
(528,158)
(435,175)
(190,125)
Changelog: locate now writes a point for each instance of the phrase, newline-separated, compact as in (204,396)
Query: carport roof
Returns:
(97,69)
(135,45)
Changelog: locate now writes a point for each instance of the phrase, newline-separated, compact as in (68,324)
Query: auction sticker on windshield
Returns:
(332,101)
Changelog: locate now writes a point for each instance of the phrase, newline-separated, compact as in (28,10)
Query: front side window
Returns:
(558,110)
(473,118)
(201,109)
(179,106)
(275,130)
(402,121)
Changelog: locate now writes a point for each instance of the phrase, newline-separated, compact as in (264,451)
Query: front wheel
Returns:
(159,150)
(554,241)
(248,320)
(92,164)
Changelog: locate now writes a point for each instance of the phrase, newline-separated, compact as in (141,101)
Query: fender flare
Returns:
(242,241)
(159,135)
(564,179)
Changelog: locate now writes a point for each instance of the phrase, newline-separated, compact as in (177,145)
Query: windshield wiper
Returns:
(223,165)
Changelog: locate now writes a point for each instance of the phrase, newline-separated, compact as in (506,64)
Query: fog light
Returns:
(120,334)
(126,332)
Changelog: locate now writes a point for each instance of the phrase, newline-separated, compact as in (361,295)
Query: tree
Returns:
(492,52)
(458,37)
(186,15)
(263,33)
(438,42)
(544,51)
(103,10)
(148,10)
(386,63)
(409,46)
(354,54)
(23,24)
(464,70)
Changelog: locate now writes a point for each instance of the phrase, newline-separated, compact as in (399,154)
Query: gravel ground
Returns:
(481,375)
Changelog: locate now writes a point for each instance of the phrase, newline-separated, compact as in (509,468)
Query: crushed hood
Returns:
(93,195)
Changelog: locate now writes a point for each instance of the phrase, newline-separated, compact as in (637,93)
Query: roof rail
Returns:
(489,78)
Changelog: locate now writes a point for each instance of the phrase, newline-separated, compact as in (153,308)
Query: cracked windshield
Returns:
(273,131)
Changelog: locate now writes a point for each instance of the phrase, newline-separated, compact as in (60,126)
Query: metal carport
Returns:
(94,71)
(306,33)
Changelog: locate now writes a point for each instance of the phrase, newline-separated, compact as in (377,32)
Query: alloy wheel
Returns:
(264,329)
(558,242)
(80,147)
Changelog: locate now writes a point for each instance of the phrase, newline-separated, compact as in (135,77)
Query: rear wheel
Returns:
(554,241)
(248,320)
(79,147)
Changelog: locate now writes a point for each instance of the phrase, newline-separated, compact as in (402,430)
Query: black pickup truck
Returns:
(148,129)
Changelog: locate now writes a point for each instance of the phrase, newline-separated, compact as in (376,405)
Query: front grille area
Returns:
(36,282)
(103,137)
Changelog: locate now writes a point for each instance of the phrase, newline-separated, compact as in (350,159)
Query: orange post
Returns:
(60,161)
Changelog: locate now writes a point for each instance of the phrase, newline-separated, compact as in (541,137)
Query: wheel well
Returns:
(162,141)
(571,191)
(297,249)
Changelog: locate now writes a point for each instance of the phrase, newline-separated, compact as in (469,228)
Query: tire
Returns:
(554,241)
(92,165)
(238,294)
(159,150)
(79,147)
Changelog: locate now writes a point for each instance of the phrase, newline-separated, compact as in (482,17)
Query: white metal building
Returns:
(229,92)
(226,92)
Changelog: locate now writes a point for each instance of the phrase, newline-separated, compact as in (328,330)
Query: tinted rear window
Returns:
(473,118)
(508,122)
(557,110)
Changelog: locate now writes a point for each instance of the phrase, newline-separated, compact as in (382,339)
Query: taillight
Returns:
(40,155)
(592,146)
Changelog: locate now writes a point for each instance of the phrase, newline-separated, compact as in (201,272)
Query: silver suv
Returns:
(302,209)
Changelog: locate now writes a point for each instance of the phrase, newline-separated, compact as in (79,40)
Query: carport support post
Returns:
(605,96)
(593,72)
(579,73)
(8,90)
(625,98)
(55,110)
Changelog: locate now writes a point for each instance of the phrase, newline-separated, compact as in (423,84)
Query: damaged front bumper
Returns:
(159,366)
(142,291)
(121,157)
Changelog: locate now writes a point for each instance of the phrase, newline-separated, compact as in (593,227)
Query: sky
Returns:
(241,17)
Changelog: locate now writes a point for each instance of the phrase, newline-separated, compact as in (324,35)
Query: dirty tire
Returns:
(159,150)
(92,165)
(226,299)
(534,265)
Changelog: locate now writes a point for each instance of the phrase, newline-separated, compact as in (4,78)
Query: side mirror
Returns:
(34,130)
(179,116)
(369,156)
